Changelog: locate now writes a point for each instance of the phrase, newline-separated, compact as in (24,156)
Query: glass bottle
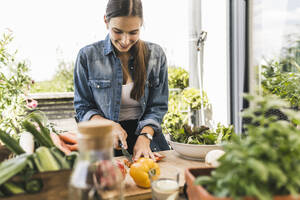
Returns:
(95,176)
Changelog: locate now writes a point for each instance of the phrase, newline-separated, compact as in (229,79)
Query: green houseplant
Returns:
(264,163)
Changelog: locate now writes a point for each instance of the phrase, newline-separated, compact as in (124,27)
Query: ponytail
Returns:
(140,53)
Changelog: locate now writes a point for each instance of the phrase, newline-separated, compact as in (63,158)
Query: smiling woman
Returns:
(112,83)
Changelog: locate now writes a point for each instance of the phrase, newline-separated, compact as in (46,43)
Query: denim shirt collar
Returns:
(108,46)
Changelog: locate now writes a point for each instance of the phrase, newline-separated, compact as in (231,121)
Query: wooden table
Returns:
(56,183)
(172,160)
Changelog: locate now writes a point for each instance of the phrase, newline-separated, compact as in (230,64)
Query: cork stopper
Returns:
(95,134)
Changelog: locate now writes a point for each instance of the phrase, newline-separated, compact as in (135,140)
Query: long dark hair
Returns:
(121,8)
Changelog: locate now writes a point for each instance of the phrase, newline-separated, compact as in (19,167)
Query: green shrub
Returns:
(284,84)
(62,81)
(178,77)
(14,83)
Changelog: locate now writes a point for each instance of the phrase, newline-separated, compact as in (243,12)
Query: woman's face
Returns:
(124,32)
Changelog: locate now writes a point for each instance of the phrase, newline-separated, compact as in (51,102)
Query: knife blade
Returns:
(126,153)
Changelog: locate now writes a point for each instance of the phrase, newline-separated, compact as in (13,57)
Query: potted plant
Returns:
(189,139)
(263,164)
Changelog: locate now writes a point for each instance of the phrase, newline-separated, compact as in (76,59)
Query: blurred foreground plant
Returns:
(14,83)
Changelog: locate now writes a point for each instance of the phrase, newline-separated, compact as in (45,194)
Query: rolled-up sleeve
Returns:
(84,103)
(157,103)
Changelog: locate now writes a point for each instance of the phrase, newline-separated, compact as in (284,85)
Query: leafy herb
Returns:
(264,163)
(178,77)
(202,134)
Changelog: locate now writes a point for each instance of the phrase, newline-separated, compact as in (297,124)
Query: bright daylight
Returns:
(149,99)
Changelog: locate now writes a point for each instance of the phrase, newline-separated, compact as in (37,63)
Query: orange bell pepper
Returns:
(141,171)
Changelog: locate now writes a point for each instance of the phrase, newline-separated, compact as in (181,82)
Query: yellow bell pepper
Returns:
(140,170)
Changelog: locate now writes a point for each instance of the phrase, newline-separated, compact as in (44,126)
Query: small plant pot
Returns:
(196,192)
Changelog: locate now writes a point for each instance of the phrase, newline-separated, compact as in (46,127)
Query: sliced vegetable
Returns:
(47,161)
(11,143)
(34,185)
(122,168)
(27,142)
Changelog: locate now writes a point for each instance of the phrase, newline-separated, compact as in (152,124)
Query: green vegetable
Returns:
(37,163)
(11,167)
(41,138)
(46,160)
(202,134)
(26,142)
(12,188)
(34,185)
(263,163)
(61,159)
(11,143)
(71,158)
(44,130)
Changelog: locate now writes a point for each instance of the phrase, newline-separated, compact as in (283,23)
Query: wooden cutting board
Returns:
(172,160)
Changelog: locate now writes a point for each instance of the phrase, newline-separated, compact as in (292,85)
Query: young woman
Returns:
(124,79)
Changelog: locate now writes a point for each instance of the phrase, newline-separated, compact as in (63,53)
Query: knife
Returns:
(125,152)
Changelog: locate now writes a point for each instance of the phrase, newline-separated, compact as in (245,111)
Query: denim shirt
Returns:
(98,79)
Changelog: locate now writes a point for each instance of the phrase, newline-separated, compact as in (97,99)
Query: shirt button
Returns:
(131,67)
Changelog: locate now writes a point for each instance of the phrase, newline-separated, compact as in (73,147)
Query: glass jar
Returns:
(95,176)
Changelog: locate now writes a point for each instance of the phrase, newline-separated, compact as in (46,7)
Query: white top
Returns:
(130,108)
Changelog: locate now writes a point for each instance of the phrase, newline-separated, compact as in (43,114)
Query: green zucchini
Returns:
(37,163)
(11,143)
(41,139)
(47,161)
(61,159)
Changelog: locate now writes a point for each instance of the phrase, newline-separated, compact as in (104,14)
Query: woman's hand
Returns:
(142,148)
(119,134)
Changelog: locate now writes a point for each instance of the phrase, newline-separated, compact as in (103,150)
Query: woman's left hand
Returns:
(142,148)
